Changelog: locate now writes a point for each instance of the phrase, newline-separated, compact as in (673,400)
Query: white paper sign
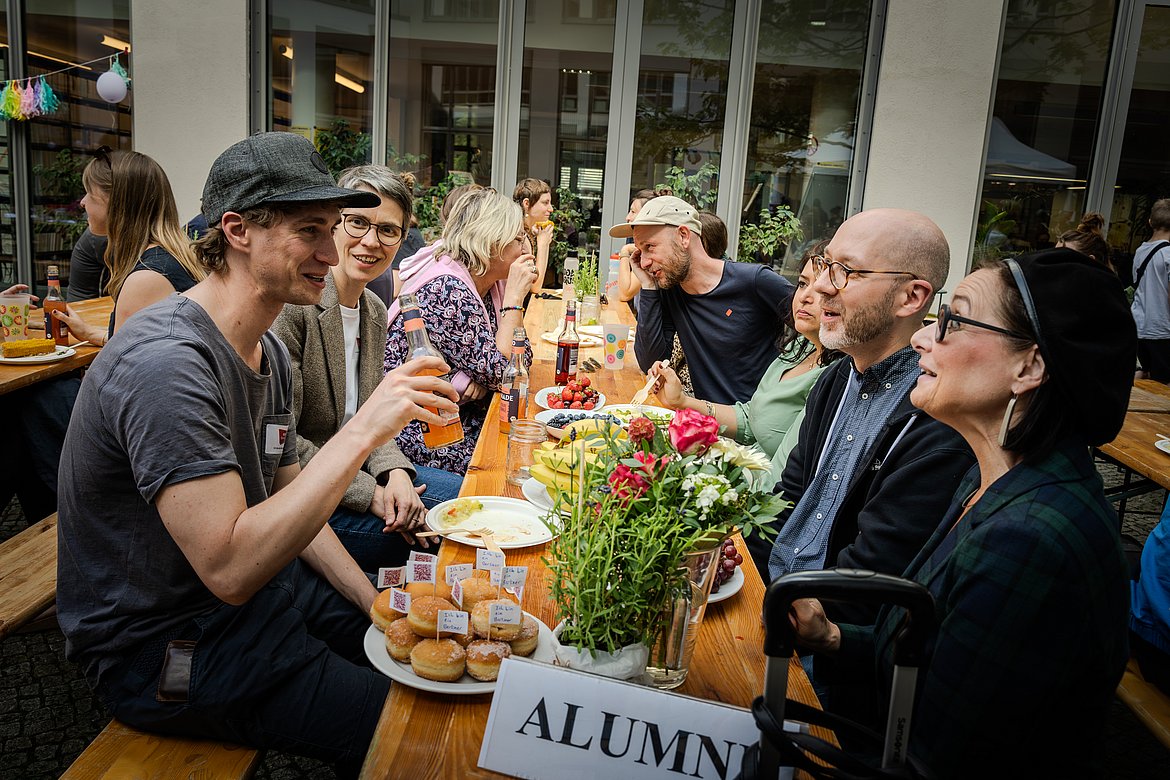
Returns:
(420,571)
(400,601)
(421,556)
(494,577)
(514,576)
(458,571)
(504,614)
(453,620)
(488,559)
(549,722)
(391,577)
(457,592)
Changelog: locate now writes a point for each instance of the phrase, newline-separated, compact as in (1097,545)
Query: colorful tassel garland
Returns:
(116,66)
(35,99)
(49,101)
(28,102)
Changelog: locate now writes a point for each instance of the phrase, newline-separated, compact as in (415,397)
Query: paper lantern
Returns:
(111,87)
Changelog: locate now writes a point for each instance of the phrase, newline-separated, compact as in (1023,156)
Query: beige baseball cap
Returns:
(663,210)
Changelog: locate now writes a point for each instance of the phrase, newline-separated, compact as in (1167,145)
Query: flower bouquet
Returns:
(635,559)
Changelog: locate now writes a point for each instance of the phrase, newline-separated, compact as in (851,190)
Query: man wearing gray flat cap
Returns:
(727,315)
(199,584)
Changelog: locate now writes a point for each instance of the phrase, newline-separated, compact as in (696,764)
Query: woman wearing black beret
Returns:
(1032,363)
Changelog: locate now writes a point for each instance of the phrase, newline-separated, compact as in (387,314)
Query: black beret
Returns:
(1086,335)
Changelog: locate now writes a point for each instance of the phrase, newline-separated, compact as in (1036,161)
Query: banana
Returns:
(565,459)
(551,478)
(549,445)
(592,427)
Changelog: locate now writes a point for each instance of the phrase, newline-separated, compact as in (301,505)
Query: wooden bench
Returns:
(124,753)
(28,574)
(1150,705)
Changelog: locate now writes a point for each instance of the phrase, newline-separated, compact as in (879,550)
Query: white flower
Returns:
(731,496)
(747,457)
(707,496)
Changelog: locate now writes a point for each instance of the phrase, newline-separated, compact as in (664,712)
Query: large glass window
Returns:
(442,87)
(1143,175)
(682,95)
(8,270)
(322,73)
(59,36)
(1045,117)
(804,112)
(564,110)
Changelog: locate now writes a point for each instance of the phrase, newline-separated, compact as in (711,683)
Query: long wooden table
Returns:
(426,735)
(95,312)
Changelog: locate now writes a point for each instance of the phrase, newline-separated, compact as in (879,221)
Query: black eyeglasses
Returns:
(948,321)
(388,234)
(839,273)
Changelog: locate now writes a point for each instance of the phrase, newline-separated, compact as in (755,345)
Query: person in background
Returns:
(714,235)
(471,294)
(199,586)
(1088,240)
(336,347)
(1151,296)
(628,284)
(1149,619)
(385,285)
(1026,568)
(727,315)
(535,198)
(88,274)
(771,419)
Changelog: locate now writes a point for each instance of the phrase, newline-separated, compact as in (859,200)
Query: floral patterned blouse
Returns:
(457,327)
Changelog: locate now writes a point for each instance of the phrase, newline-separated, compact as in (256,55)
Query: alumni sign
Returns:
(550,722)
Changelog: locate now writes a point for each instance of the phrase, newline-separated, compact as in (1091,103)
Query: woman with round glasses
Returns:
(471,293)
(336,348)
(1029,581)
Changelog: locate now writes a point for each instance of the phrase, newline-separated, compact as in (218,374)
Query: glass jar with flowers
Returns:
(636,556)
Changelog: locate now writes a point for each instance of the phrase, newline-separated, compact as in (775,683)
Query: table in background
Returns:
(425,735)
(95,312)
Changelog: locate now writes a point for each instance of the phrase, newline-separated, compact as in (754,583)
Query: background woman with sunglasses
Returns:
(336,348)
(1026,568)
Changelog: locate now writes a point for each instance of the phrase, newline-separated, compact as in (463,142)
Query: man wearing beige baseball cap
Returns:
(727,315)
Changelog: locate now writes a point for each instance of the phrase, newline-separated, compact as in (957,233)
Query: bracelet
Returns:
(710,409)
(511,308)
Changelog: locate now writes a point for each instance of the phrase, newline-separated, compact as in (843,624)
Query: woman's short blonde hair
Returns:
(478,230)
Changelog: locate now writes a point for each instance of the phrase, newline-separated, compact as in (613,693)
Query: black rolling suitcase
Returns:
(779,748)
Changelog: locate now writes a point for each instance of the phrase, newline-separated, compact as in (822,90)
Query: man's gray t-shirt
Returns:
(1151,300)
(166,401)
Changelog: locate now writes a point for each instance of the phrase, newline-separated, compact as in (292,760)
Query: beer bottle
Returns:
(514,386)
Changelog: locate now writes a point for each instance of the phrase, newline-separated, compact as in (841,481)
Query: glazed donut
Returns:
(525,643)
(400,640)
(381,613)
(424,614)
(484,658)
(419,589)
(438,659)
(479,622)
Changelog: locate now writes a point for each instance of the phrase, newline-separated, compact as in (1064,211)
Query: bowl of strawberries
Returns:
(577,394)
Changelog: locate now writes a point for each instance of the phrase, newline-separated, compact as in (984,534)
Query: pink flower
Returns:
(641,429)
(629,483)
(692,432)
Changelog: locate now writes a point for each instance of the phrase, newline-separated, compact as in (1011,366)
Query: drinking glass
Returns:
(524,439)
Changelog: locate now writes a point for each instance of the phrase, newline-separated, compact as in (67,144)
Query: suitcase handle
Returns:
(849,585)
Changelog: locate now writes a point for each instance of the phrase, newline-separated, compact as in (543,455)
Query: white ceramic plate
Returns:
(729,588)
(375,645)
(1163,445)
(52,357)
(538,495)
(540,394)
(587,341)
(659,415)
(517,523)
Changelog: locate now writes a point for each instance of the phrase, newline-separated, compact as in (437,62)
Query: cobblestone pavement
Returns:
(48,715)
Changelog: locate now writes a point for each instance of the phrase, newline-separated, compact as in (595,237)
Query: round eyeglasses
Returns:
(949,322)
(839,273)
(388,234)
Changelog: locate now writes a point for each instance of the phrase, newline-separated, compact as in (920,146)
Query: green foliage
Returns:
(992,221)
(340,147)
(700,189)
(428,204)
(61,178)
(585,281)
(775,230)
(566,213)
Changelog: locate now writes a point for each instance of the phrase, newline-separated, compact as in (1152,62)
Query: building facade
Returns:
(1004,120)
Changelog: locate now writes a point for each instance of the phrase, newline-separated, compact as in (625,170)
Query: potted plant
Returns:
(636,555)
(585,283)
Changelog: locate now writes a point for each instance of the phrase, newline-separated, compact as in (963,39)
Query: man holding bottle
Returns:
(199,584)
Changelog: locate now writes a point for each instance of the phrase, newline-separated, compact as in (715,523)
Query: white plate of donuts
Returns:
(407,651)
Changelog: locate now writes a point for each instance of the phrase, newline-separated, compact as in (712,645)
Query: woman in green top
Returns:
(771,418)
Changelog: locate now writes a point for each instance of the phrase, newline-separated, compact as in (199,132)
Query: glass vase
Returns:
(670,657)
(590,313)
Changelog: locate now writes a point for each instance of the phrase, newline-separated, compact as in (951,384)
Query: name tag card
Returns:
(453,620)
(458,571)
(400,601)
(550,722)
(504,614)
(514,576)
(420,571)
(391,577)
(488,559)
(457,592)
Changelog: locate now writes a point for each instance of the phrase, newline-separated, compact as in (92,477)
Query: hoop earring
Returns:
(1007,420)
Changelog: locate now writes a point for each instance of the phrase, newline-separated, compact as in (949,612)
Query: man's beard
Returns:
(679,268)
(862,324)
